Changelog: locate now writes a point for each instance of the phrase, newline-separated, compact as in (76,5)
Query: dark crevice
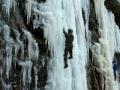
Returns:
(93,23)
(93,74)
(41,1)
(94,79)
(83,14)
(117,58)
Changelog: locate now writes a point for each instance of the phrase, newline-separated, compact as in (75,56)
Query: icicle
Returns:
(36,78)
(18,45)
(107,29)
(28,7)
(26,73)
(7,5)
(117,32)
(14,44)
(85,7)
(9,44)
(7,85)
(33,50)
(56,16)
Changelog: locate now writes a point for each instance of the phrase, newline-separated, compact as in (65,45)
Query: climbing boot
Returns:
(66,65)
(70,57)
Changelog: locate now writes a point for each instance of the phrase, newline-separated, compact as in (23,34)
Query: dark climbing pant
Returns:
(67,50)
(115,76)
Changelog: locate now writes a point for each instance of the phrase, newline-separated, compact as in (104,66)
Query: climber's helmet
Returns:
(70,31)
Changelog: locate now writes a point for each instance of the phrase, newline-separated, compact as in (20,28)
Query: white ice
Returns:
(108,42)
(59,14)
(56,16)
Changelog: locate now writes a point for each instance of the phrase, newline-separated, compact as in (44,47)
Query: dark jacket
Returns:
(69,39)
(115,67)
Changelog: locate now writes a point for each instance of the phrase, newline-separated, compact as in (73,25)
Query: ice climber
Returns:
(68,45)
(115,69)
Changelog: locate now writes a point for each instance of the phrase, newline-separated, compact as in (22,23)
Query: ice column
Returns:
(7,5)
(59,14)
(28,7)
(107,29)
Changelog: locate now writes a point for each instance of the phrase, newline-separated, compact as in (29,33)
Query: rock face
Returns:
(114,6)
(32,44)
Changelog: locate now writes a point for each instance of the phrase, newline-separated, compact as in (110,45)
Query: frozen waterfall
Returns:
(21,61)
(21,49)
(57,15)
(108,44)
